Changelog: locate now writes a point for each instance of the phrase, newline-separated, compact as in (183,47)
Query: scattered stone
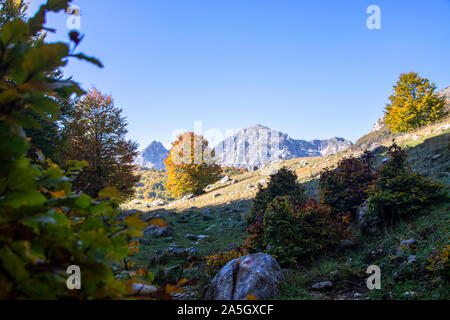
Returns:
(190,236)
(415,137)
(442,128)
(202,236)
(234,181)
(384,160)
(143,289)
(250,186)
(357,295)
(323,285)
(408,243)
(206,211)
(158,203)
(217,195)
(367,222)
(411,259)
(436,157)
(156,231)
(257,274)
(224,180)
(409,294)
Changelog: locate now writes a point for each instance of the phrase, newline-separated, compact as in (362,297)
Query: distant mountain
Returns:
(153,156)
(445,92)
(260,145)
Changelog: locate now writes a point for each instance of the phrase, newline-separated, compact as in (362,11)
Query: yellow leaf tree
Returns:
(190,165)
(413,104)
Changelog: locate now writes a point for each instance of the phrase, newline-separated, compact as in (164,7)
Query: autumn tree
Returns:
(96,130)
(413,104)
(12,9)
(190,165)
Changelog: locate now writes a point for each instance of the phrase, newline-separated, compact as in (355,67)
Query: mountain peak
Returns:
(153,156)
(249,148)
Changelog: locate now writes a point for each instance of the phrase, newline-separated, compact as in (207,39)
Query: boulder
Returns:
(367,222)
(156,231)
(256,274)
(224,180)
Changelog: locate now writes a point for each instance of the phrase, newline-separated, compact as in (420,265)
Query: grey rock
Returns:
(411,259)
(257,274)
(257,146)
(158,203)
(158,231)
(384,160)
(367,222)
(436,157)
(224,180)
(323,285)
(190,236)
(408,243)
(153,156)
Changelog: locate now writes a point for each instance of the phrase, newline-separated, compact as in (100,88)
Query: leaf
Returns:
(182,282)
(93,60)
(135,222)
(110,192)
(157,222)
(170,288)
(14,31)
(251,297)
(58,194)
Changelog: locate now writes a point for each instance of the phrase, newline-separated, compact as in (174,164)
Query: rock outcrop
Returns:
(257,275)
(258,146)
(153,156)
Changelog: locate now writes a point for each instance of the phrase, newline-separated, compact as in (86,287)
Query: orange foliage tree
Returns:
(190,165)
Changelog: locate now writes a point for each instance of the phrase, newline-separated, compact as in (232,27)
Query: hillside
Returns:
(215,221)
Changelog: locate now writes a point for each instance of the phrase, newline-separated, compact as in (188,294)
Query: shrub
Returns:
(295,232)
(345,187)
(281,183)
(217,261)
(399,191)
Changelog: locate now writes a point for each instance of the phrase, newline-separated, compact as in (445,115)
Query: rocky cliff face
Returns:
(260,145)
(153,156)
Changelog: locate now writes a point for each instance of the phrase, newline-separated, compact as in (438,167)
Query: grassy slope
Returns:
(225,226)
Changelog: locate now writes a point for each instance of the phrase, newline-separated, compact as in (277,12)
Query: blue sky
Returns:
(311,69)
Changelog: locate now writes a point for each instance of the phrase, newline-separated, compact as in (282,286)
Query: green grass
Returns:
(347,269)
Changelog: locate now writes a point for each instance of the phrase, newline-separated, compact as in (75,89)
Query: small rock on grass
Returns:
(323,285)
